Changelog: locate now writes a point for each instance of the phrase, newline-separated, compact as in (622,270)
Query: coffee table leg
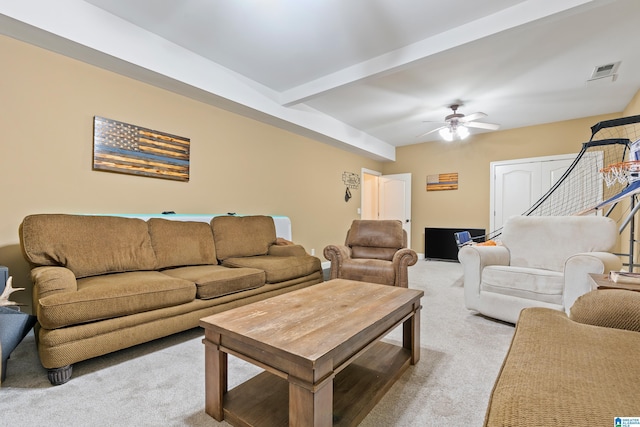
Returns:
(411,335)
(307,408)
(215,374)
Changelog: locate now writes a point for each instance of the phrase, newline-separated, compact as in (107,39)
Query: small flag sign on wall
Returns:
(124,148)
(443,181)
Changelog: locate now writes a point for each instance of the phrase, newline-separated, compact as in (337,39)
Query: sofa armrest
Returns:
(51,280)
(287,250)
(576,273)
(336,254)
(474,259)
(403,259)
(611,308)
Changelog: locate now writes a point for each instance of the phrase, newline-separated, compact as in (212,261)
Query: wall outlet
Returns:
(313,251)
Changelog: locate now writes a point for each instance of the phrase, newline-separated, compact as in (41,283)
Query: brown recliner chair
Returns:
(375,251)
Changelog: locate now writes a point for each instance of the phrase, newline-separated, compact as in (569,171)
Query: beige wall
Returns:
(237,164)
(469,205)
(633,109)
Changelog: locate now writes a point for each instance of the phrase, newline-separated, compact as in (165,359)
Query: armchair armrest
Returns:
(474,259)
(611,308)
(402,259)
(336,254)
(576,273)
(287,250)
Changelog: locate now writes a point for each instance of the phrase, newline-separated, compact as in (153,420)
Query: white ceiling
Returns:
(364,75)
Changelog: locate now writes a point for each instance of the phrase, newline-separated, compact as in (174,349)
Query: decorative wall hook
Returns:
(347,195)
(351,180)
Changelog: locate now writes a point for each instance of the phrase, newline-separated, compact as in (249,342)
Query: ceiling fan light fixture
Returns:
(446,134)
(462,131)
(456,125)
(450,133)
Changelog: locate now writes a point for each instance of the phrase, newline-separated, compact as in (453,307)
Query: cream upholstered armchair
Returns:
(541,262)
(375,251)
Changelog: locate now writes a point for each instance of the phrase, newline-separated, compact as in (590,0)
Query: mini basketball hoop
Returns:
(621,172)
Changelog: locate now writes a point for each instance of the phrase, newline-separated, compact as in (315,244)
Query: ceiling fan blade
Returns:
(431,131)
(480,125)
(471,117)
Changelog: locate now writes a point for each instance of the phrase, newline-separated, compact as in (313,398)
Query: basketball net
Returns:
(621,172)
(624,172)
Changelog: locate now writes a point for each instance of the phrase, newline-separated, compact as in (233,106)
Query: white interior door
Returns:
(517,187)
(394,192)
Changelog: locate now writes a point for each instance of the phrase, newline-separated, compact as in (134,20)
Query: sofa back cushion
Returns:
(87,245)
(242,236)
(548,241)
(181,243)
(375,239)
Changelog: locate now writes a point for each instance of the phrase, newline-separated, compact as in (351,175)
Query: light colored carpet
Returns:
(162,383)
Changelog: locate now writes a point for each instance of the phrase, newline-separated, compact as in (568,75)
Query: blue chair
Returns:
(462,238)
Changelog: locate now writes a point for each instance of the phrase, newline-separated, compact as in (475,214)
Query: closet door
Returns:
(516,188)
(517,184)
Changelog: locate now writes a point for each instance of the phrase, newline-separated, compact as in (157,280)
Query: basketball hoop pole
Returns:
(628,128)
(630,216)
(632,232)
(625,172)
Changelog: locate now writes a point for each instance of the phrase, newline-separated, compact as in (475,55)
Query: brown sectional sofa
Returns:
(104,283)
(581,370)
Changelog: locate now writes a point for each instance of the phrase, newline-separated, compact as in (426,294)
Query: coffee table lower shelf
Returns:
(264,399)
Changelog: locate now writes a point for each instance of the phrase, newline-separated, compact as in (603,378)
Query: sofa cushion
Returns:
(530,283)
(87,245)
(611,308)
(241,236)
(562,373)
(215,280)
(113,295)
(180,243)
(278,268)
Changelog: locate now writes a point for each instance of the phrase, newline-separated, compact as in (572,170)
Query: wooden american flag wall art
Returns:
(442,181)
(125,148)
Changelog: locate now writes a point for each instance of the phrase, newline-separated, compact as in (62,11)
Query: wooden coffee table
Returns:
(321,351)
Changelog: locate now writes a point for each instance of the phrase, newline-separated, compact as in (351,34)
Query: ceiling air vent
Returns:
(606,72)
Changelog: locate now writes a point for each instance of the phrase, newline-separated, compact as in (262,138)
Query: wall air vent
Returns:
(606,71)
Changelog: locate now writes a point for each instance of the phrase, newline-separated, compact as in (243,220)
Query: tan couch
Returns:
(578,371)
(104,283)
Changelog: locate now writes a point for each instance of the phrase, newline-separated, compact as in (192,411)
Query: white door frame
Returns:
(405,179)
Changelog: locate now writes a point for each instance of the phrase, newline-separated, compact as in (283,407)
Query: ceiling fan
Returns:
(456,125)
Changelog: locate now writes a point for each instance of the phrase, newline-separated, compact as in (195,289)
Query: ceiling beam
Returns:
(517,15)
(82,31)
